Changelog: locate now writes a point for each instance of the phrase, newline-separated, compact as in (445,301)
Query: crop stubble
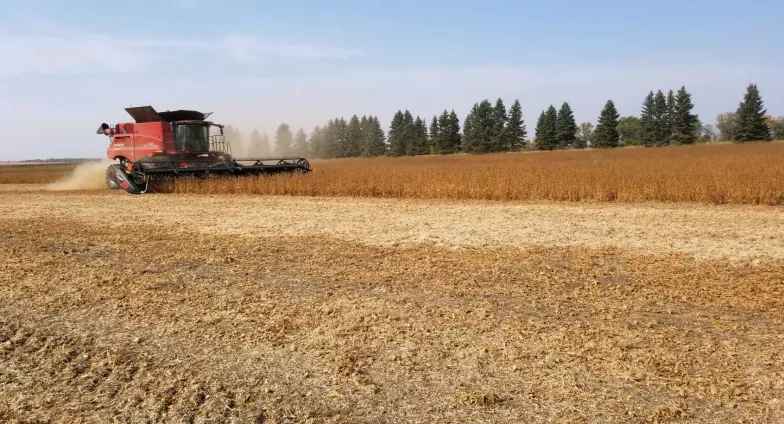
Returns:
(168,307)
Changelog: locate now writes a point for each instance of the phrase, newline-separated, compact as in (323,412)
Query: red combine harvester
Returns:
(171,144)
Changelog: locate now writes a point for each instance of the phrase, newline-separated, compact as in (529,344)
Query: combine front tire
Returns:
(111,181)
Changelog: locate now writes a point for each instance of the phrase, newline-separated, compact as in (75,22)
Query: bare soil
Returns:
(184,308)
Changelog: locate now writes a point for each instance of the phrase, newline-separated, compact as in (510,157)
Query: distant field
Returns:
(715,174)
(34,173)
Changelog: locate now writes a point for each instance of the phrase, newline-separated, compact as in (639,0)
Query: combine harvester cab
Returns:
(175,144)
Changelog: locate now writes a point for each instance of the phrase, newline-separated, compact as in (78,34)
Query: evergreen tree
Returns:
(452,132)
(419,138)
(647,121)
(661,135)
(566,127)
(301,143)
(234,137)
(467,141)
(751,125)
(515,127)
(316,144)
(258,145)
(397,140)
(434,141)
(364,140)
(409,132)
(499,141)
(547,129)
(330,148)
(353,141)
(378,144)
(439,133)
(283,140)
(685,125)
(540,132)
(482,128)
(670,118)
(606,134)
(337,138)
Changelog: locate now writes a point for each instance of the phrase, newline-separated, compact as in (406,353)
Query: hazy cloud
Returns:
(250,49)
(99,53)
(185,4)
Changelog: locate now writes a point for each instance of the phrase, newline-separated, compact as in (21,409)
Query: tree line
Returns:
(490,128)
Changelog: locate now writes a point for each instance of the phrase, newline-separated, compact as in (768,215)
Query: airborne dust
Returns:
(87,176)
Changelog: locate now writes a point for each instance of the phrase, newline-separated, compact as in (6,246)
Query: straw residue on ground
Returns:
(185,308)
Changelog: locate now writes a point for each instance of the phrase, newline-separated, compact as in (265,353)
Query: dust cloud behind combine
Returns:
(87,176)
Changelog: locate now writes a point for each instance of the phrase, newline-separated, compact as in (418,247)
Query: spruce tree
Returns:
(409,132)
(647,121)
(452,136)
(397,140)
(751,125)
(551,126)
(499,140)
(479,129)
(329,140)
(338,138)
(435,143)
(661,135)
(515,127)
(467,141)
(378,145)
(606,134)
(366,127)
(301,143)
(547,129)
(670,118)
(283,139)
(685,125)
(258,145)
(419,138)
(353,140)
(438,133)
(566,127)
(540,137)
(316,144)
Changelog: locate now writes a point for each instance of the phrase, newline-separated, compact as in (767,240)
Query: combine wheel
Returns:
(304,164)
(111,182)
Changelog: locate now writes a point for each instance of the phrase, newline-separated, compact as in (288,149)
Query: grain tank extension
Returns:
(180,143)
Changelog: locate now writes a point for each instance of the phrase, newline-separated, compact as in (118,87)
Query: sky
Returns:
(66,67)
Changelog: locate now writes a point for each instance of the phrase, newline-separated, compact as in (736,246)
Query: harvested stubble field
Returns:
(715,174)
(226,308)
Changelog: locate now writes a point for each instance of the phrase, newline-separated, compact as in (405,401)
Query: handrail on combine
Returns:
(218,143)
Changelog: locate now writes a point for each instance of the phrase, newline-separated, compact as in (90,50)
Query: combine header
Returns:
(171,144)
